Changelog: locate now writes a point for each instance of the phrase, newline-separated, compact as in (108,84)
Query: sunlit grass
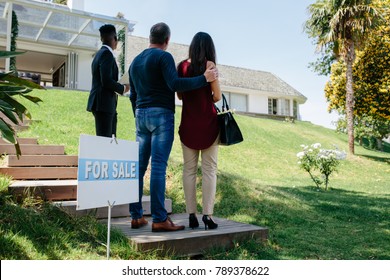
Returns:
(259,182)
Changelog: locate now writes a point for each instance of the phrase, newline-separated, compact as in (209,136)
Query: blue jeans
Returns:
(155,134)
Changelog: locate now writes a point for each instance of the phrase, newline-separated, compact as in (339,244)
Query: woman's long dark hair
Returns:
(201,50)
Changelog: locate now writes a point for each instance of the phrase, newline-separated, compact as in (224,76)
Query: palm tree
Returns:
(342,25)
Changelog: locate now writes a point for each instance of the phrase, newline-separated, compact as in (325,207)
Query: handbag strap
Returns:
(225,105)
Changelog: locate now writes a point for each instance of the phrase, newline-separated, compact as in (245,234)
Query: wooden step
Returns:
(190,242)
(37,173)
(50,190)
(117,210)
(41,160)
(33,141)
(31,149)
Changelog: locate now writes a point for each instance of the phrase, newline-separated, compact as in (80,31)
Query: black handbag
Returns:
(229,132)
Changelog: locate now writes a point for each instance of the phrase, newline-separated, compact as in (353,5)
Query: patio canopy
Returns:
(57,25)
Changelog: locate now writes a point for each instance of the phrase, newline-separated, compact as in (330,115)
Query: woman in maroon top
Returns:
(199,130)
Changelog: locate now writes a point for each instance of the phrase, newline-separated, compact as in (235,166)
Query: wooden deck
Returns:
(189,242)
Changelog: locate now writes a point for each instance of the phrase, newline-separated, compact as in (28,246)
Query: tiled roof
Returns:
(229,75)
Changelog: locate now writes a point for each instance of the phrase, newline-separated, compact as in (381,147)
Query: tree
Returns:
(14,36)
(63,2)
(122,39)
(343,23)
(366,127)
(371,75)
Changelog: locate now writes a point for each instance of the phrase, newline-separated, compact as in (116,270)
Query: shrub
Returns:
(314,160)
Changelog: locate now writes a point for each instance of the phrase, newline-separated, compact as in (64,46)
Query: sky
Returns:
(254,34)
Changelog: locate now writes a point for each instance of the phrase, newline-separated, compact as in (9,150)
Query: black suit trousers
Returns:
(105,123)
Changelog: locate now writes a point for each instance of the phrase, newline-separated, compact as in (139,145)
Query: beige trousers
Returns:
(209,177)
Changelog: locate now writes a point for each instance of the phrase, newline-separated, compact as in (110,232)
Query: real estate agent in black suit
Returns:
(103,98)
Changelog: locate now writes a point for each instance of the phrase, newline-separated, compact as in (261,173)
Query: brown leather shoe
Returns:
(137,223)
(168,225)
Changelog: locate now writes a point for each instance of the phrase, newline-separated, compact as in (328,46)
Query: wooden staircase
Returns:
(45,171)
(42,170)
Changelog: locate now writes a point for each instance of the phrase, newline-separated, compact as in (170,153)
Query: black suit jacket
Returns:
(102,97)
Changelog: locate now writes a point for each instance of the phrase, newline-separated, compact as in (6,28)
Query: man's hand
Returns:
(211,74)
(127,88)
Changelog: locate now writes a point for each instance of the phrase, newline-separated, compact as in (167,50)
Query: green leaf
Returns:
(22,82)
(7,132)
(32,98)
(8,54)
(19,109)
(13,89)
(7,111)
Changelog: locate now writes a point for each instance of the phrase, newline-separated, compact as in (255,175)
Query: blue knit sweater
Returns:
(154,80)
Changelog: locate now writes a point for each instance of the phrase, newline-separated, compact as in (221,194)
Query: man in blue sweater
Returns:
(153,83)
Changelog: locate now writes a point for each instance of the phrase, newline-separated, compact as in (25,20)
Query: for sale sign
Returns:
(107,172)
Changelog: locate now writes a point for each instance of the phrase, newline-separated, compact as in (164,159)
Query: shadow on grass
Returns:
(304,222)
(379,159)
(49,233)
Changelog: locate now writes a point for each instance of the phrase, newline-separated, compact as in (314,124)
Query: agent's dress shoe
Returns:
(137,223)
(167,225)
(193,221)
(208,222)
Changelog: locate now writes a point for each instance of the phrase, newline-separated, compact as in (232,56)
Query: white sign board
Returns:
(107,172)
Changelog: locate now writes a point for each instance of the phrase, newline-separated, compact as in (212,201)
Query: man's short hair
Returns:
(159,33)
(107,33)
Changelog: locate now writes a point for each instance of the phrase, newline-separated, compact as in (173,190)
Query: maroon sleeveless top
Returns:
(199,124)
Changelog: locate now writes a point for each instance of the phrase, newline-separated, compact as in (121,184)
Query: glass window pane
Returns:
(3,27)
(27,31)
(87,41)
(269,106)
(27,14)
(238,102)
(66,21)
(93,27)
(287,107)
(295,112)
(56,36)
(2,6)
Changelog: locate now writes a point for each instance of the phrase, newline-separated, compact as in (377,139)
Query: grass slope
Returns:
(259,182)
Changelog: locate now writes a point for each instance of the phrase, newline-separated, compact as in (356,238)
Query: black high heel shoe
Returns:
(208,222)
(193,221)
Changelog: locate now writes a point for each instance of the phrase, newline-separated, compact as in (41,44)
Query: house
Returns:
(248,91)
(60,42)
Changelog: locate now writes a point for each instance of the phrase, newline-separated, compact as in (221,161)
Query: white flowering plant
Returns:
(315,160)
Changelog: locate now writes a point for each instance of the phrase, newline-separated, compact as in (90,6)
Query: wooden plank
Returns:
(189,241)
(34,173)
(117,210)
(51,190)
(41,160)
(33,141)
(28,149)
(100,213)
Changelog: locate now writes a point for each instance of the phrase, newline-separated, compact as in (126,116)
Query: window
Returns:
(286,107)
(295,109)
(272,106)
(236,101)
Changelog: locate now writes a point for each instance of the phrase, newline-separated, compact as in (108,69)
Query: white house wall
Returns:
(258,104)
(84,71)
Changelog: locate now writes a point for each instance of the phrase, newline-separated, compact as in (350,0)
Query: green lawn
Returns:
(259,182)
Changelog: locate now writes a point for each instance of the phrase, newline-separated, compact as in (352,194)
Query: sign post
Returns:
(108,174)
